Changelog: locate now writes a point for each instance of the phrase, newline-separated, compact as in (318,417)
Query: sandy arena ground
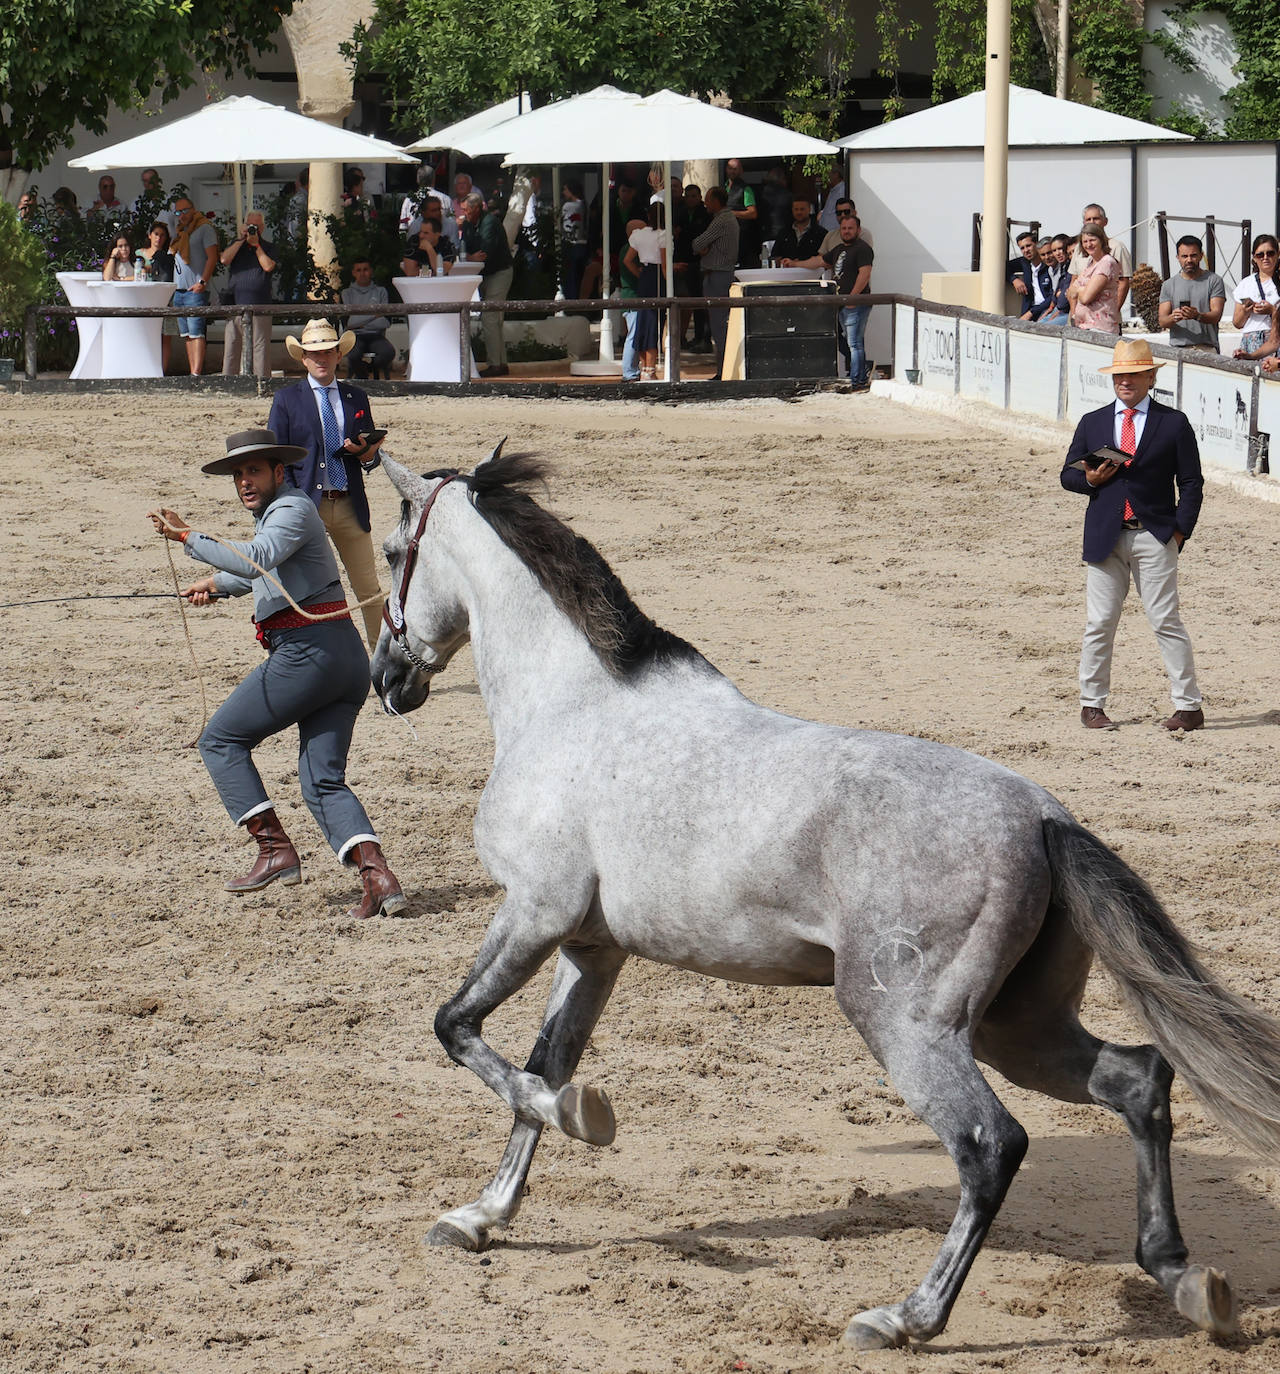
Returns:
(228,1124)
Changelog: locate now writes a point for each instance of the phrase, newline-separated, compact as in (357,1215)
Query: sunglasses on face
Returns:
(844,214)
(1265,253)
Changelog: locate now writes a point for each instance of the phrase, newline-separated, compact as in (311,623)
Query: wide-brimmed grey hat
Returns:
(253,443)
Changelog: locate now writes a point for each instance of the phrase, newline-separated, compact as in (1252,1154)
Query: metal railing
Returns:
(676,306)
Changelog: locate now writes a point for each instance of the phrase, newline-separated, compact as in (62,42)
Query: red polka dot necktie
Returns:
(1128,444)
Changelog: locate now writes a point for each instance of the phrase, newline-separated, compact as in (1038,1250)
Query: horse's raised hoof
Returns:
(448,1233)
(878,1329)
(1204,1296)
(585,1114)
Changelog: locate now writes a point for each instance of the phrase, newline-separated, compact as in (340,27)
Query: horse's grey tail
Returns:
(1225,1047)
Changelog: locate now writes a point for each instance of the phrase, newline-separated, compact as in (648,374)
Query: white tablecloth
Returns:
(116,347)
(433,339)
(130,347)
(76,286)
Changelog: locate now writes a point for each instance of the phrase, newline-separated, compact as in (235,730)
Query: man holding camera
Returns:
(1191,303)
(250,260)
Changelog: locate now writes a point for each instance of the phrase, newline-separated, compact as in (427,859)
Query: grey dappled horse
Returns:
(640,804)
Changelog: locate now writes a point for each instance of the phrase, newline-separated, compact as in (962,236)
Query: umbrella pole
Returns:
(235,182)
(606,320)
(672,342)
(248,188)
(557,248)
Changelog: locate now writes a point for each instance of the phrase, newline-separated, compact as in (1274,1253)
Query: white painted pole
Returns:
(248,188)
(995,159)
(1064,49)
(672,342)
(606,320)
(557,248)
(235,183)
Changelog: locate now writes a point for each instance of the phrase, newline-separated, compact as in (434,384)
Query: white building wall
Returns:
(1212,45)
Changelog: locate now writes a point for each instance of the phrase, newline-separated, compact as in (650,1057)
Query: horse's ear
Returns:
(407,483)
(497,453)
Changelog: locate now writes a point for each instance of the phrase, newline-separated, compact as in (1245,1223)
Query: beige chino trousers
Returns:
(1153,568)
(355,548)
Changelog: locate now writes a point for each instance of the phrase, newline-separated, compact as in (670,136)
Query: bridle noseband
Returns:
(393,616)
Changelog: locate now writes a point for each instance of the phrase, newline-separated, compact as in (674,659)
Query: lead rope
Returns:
(191,647)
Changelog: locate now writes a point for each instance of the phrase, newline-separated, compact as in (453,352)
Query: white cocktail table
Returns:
(129,347)
(433,339)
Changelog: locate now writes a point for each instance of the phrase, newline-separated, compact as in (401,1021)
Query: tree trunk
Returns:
(702,173)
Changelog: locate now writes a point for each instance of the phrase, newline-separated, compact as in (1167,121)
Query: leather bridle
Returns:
(393,616)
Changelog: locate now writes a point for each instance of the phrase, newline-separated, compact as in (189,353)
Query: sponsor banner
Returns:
(1217,404)
(1268,424)
(1035,368)
(1087,388)
(937,352)
(904,341)
(982,361)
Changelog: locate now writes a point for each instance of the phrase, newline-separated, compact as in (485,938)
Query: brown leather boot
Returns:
(382,894)
(277,858)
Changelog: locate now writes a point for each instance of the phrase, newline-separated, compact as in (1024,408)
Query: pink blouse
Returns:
(1103,312)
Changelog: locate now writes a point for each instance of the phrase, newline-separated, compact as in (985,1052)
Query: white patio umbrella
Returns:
(1035,119)
(453,135)
(244,132)
(608,125)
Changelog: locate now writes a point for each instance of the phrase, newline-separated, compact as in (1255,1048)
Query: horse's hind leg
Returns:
(938,1079)
(1057,1056)
(580,988)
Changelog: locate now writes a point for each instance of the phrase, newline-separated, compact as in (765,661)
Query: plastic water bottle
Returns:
(140,267)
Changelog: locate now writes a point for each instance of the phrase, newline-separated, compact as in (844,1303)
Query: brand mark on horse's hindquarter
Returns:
(897,961)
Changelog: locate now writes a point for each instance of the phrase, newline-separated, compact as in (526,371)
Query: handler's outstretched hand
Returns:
(169,523)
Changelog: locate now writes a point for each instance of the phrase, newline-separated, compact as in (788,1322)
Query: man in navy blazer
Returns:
(333,472)
(1135,527)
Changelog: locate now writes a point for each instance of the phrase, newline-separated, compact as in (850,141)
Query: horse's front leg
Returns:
(581,987)
(521,936)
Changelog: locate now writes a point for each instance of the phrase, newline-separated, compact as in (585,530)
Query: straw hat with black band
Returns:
(253,443)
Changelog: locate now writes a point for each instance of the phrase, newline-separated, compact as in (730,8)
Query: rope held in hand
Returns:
(275,581)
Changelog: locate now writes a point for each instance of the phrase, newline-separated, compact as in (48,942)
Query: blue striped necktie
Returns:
(337,469)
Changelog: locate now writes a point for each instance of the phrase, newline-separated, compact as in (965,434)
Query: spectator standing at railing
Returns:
(717,247)
(1059,311)
(850,262)
(195,260)
(485,239)
(1256,299)
(108,204)
(1030,277)
(1191,304)
(1096,216)
(742,202)
(250,260)
(573,237)
(1094,291)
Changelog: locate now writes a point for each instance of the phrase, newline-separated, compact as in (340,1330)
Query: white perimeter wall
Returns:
(919,203)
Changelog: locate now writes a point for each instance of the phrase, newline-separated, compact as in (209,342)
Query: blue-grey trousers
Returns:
(317,678)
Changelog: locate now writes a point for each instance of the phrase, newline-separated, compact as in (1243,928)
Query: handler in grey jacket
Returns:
(316,675)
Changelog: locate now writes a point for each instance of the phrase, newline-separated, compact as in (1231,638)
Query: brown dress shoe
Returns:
(1095,718)
(382,894)
(277,859)
(1185,720)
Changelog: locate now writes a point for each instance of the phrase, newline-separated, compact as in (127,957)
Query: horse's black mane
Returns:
(571,571)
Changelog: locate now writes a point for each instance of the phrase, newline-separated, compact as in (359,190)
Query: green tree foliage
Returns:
(961,48)
(73,62)
(22,277)
(1107,42)
(1255,102)
(443,59)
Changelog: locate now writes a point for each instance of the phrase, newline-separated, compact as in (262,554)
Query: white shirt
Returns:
(335,400)
(1139,420)
(1248,291)
(648,245)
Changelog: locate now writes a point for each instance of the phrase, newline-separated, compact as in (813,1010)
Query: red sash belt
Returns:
(289,619)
